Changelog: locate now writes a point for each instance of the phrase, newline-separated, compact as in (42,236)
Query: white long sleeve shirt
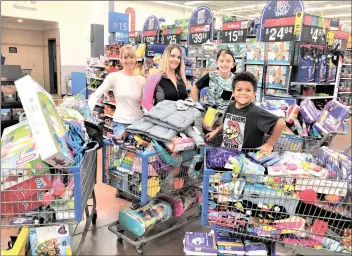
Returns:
(128,93)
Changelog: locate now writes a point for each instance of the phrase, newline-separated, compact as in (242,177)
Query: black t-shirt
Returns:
(246,127)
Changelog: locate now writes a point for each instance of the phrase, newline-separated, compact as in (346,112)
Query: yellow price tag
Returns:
(330,37)
(298,23)
(349,44)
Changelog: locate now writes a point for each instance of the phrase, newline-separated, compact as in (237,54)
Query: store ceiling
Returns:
(252,9)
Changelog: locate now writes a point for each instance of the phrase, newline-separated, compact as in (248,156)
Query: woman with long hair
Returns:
(169,81)
(127,88)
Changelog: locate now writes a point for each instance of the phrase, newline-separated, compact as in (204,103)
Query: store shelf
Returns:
(14,104)
(97,66)
(113,58)
(346,78)
(254,63)
(312,97)
(109,103)
(344,92)
(279,64)
(280,96)
(311,84)
(346,64)
(109,127)
(108,115)
(95,78)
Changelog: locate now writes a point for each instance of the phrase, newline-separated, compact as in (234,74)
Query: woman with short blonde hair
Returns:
(169,81)
(127,88)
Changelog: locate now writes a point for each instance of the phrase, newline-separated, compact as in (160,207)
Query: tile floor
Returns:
(100,241)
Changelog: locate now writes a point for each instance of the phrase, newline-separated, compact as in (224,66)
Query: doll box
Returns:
(50,240)
(14,191)
(45,123)
(180,144)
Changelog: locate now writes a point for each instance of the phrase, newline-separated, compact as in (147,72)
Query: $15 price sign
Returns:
(234,36)
(279,34)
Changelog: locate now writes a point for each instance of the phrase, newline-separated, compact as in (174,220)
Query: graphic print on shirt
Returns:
(217,86)
(233,134)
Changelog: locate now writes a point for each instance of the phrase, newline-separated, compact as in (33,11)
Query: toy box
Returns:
(277,77)
(257,71)
(5,114)
(178,144)
(45,123)
(9,93)
(16,112)
(211,117)
(24,187)
(279,53)
(14,133)
(50,240)
(140,220)
(27,205)
(255,52)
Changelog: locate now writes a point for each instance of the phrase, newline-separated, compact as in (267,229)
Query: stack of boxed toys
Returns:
(218,243)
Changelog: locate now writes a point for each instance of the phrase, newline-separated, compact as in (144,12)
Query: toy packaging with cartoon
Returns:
(45,123)
(279,53)
(277,77)
(141,220)
(257,71)
(255,52)
(50,240)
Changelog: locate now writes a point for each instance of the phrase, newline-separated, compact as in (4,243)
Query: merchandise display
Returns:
(186,133)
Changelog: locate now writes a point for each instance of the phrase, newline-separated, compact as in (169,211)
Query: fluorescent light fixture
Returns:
(346,21)
(195,2)
(19,20)
(242,8)
(328,8)
(175,5)
(337,15)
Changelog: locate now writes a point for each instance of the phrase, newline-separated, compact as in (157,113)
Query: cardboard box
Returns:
(28,205)
(45,122)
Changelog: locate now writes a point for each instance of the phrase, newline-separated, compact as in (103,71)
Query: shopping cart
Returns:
(29,197)
(276,207)
(142,175)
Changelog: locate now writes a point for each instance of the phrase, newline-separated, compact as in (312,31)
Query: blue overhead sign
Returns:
(119,24)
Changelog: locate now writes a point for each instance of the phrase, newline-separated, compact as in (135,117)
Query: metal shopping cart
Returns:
(143,175)
(28,197)
(303,212)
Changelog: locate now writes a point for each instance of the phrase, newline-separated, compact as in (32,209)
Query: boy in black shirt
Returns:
(245,124)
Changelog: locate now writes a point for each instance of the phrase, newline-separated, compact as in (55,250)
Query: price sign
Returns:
(118,24)
(172,39)
(201,26)
(313,35)
(234,36)
(149,39)
(279,34)
(342,44)
(133,40)
(199,38)
(172,36)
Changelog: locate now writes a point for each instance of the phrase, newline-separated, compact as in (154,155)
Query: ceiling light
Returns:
(173,4)
(338,15)
(346,21)
(327,8)
(19,20)
(246,7)
(195,2)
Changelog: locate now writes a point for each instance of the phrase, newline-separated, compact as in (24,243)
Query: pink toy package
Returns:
(292,113)
(180,144)
(23,188)
(332,117)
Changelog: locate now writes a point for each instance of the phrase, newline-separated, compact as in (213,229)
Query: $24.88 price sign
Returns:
(199,38)
(171,39)
(279,34)
(234,36)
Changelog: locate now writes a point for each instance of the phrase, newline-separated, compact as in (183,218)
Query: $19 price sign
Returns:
(279,34)
(199,38)
(234,36)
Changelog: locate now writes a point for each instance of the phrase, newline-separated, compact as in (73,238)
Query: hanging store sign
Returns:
(172,36)
(150,29)
(341,40)
(234,32)
(334,24)
(133,38)
(201,26)
(277,23)
(313,30)
(118,24)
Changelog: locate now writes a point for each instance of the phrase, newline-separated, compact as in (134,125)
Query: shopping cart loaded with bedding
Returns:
(48,197)
(160,185)
(300,198)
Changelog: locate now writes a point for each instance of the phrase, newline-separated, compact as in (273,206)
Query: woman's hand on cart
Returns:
(209,136)
(267,148)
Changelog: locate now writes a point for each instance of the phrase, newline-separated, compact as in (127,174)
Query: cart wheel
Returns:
(94,218)
(121,231)
(141,249)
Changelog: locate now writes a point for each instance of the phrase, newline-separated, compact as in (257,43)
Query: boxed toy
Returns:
(24,206)
(255,52)
(50,240)
(12,134)
(279,53)
(257,71)
(45,123)
(277,77)
(178,144)
(5,114)
(211,117)
(9,93)
(16,112)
